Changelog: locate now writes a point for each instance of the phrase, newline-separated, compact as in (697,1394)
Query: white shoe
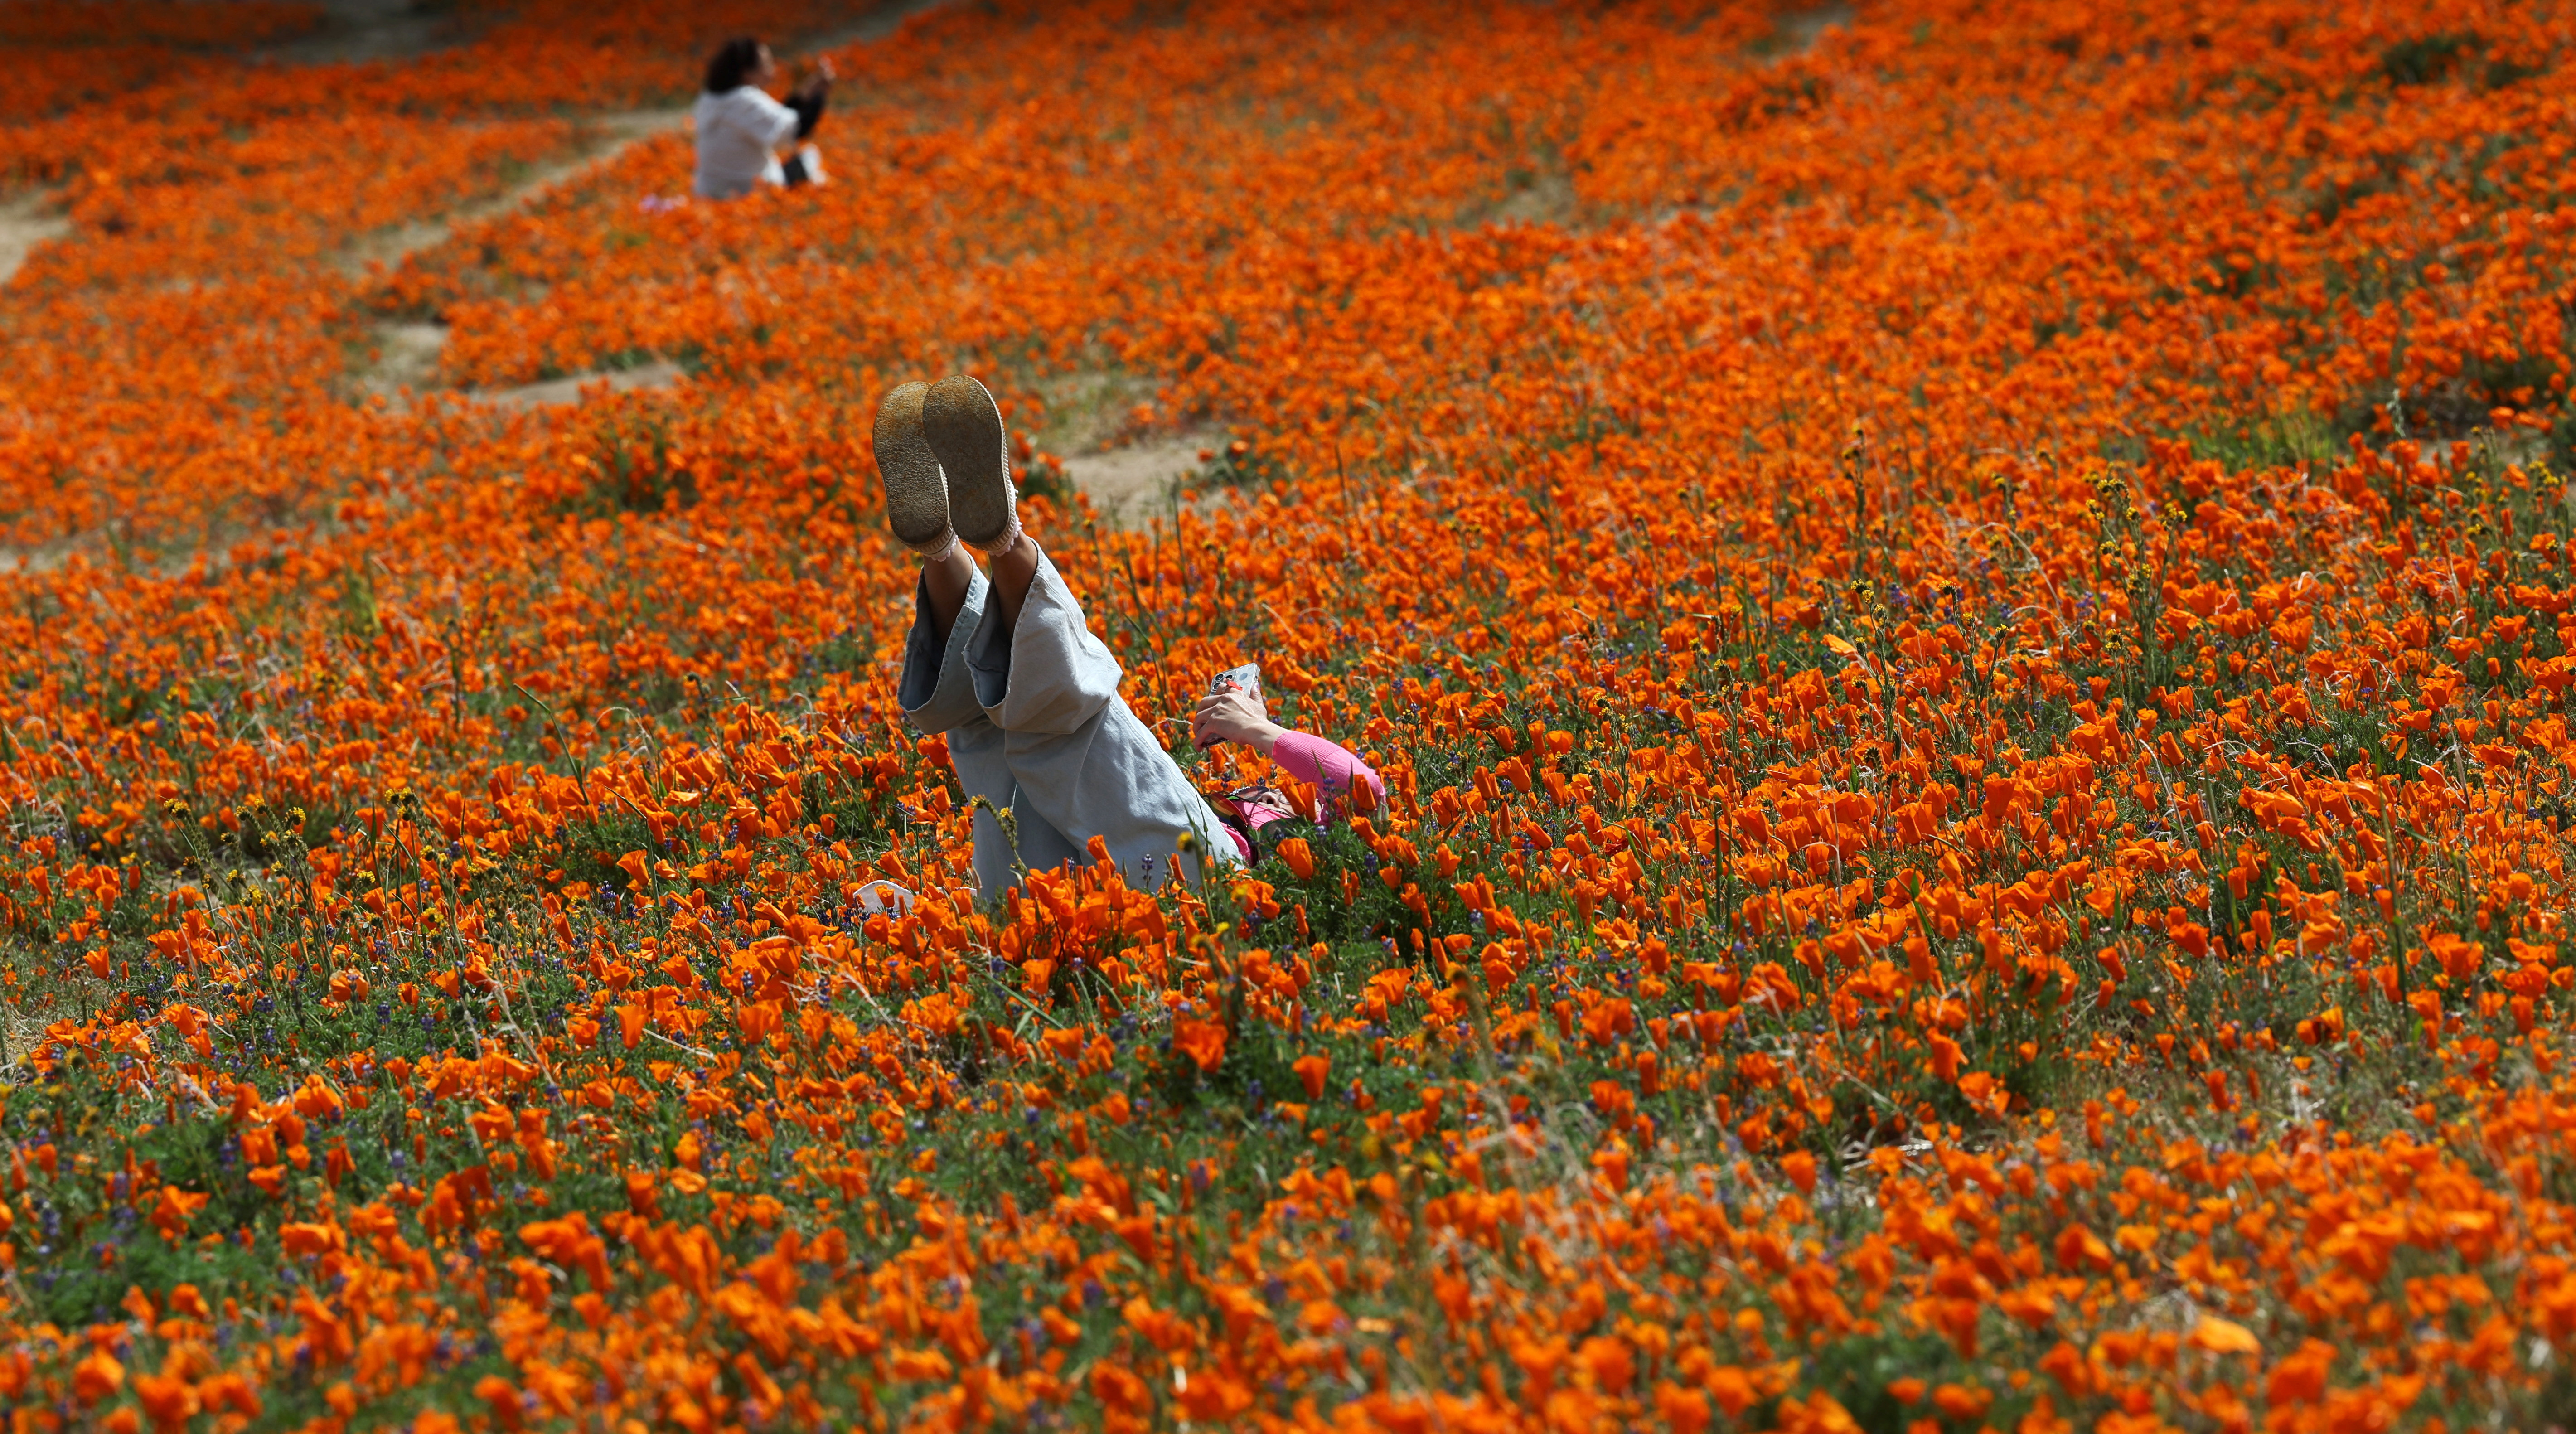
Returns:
(813,158)
(884,897)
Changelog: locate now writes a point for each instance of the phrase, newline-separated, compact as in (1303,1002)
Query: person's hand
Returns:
(1234,715)
(822,77)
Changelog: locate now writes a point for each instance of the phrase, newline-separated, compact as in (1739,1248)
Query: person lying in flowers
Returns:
(1008,671)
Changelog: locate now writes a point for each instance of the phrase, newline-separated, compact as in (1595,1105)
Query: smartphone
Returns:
(1246,678)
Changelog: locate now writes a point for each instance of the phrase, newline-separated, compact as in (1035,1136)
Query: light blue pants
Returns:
(1035,724)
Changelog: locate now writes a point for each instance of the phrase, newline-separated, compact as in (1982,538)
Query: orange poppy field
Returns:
(1966,611)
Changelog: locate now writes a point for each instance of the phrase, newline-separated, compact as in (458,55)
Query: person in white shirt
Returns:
(740,128)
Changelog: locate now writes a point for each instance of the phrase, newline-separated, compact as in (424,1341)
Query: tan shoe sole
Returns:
(964,427)
(916,495)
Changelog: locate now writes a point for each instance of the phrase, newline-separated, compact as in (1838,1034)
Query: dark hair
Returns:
(734,60)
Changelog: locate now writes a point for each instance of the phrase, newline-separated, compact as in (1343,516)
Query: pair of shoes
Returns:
(813,158)
(946,463)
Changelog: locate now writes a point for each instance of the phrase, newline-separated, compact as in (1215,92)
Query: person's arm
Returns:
(1234,715)
(1329,767)
(808,105)
(809,97)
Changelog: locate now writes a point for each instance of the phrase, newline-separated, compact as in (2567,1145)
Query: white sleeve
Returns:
(771,122)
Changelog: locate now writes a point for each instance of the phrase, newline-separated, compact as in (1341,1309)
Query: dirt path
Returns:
(27,220)
(1800,30)
(357,30)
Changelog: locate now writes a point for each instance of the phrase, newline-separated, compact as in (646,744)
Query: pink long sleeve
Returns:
(1332,768)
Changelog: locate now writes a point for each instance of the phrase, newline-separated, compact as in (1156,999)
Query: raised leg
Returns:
(945,582)
(1014,568)
(937,694)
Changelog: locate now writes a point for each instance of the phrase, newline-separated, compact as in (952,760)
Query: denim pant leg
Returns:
(938,697)
(1080,760)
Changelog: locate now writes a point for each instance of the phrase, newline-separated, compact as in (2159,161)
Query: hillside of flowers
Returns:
(1966,608)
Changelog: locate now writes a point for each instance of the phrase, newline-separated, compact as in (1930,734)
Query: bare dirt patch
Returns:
(19,1034)
(1800,31)
(1545,198)
(357,31)
(1131,485)
(1091,409)
(46,557)
(354,31)
(27,220)
(570,389)
(1097,421)
(879,22)
(406,357)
